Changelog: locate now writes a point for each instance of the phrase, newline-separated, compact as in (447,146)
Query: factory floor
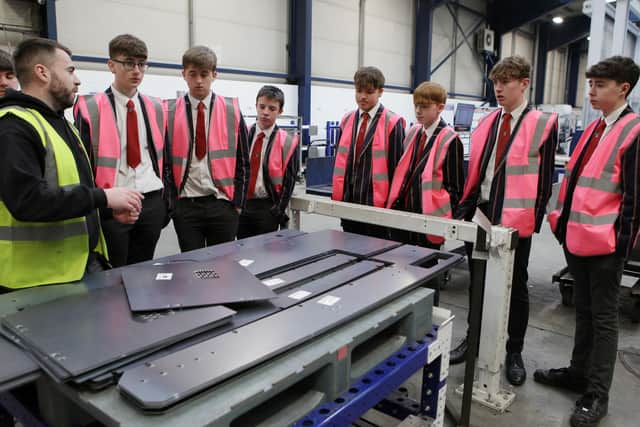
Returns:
(548,343)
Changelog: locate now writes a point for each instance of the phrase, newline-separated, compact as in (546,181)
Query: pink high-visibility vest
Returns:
(97,111)
(222,141)
(522,167)
(282,150)
(597,198)
(436,200)
(379,169)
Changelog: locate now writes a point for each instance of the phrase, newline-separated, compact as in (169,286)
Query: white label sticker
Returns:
(273,282)
(299,295)
(164,276)
(328,300)
(245,262)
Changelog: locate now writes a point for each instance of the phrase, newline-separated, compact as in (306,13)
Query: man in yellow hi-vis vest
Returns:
(49,226)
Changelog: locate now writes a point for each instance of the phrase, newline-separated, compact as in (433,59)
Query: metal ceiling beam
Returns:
(507,15)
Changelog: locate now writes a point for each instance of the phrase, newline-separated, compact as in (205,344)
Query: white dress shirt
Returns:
(611,119)
(372,113)
(143,177)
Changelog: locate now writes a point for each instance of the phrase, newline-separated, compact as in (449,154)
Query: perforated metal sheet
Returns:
(191,284)
(165,381)
(84,332)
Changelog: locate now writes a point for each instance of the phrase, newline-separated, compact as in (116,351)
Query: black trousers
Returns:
(519,302)
(132,243)
(256,218)
(596,294)
(204,221)
(365,229)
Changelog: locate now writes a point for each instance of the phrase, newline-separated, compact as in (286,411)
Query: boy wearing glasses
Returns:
(509,180)
(369,148)
(209,154)
(124,131)
(430,176)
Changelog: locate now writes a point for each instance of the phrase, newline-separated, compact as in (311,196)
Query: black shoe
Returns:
(561,378)
(459,354)
(516,373)
(590,409)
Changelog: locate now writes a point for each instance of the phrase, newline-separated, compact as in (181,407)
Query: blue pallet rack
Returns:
(378,388)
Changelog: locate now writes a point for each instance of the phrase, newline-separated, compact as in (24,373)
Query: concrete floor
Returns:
(548,344)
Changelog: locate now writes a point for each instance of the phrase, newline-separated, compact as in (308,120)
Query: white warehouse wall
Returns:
(334,38)
(388,38)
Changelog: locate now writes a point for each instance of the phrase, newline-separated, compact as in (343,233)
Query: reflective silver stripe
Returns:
(624,134)
(94,117)
(288,142)
(223,182)
(276,180)
(446,140)
(532,164)
(50,167)
(338,171)
(343,149)
(410,136)
(43,233)
(232,134)
(431,185)
(442,210)
(171,112)
(520,203)
(529,169)
(107,162)
(380,177)
(584,218)
(602,183)
(179,159)
(379,154)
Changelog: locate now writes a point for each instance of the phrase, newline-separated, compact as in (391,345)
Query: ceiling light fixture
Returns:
(557,20)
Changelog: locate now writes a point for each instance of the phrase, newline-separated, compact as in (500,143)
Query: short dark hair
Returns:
(127,45)
(6,62)
(31,52)
(368,77)
(622,69)
(511,68)
(273,93)
(200,57)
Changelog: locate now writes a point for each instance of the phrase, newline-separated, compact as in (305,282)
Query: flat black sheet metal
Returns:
(325,283)
(280,255)
(81,333)
(165,381)
(291,278)
(417,255)
(191,284)
(16,367)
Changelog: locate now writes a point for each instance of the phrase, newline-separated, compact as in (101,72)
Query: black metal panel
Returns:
(191,284)
(419,256)
(84,332)
(15,366)
(288,279)
(165,381)
(282,254)
(326,283)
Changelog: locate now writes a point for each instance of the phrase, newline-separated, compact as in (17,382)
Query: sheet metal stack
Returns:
(234,306)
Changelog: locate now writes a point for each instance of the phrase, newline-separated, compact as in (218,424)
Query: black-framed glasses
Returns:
(131,65)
